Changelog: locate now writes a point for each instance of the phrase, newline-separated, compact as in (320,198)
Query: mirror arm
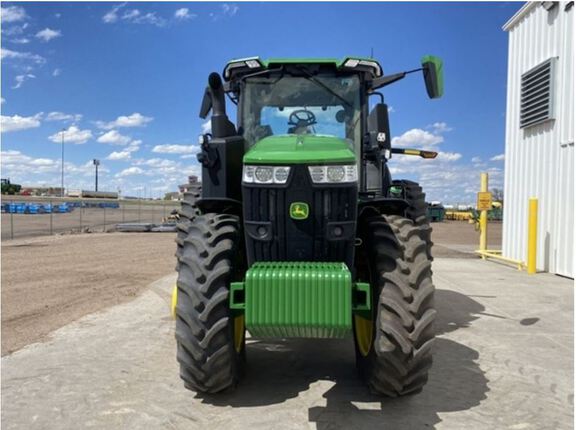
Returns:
(390,79)
(376,93)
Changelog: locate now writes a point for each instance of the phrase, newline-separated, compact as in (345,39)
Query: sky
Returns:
(125,80)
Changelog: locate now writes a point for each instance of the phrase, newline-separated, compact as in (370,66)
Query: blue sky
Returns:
(126,80)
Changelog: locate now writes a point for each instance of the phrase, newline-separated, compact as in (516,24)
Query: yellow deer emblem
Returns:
(299,210)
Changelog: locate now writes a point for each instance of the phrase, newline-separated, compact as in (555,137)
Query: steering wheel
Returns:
(301,118)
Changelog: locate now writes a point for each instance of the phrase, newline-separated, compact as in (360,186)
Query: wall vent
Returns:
(536,94)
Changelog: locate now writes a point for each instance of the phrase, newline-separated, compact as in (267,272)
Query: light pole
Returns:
(96,164)
(62,183)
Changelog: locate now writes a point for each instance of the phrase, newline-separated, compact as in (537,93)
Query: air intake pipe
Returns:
(214,100)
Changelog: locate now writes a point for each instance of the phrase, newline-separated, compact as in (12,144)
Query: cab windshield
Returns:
(296,105)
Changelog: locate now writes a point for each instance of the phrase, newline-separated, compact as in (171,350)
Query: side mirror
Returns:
(433,71)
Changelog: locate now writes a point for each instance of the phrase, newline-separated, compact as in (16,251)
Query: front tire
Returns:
(188,212)
(399,355)
(210,339)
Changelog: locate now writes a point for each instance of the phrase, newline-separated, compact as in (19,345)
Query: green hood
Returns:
(300,149)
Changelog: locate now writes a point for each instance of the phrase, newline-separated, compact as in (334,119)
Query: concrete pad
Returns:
(503,360)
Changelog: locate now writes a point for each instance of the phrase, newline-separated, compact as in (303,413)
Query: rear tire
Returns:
(399,356)
(210,358)
(417,210)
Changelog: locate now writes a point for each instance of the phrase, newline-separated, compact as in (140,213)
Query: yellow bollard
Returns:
(532,235)
(483,214)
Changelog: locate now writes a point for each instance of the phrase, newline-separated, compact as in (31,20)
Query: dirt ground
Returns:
(20,226)
(458,239)
(48,282)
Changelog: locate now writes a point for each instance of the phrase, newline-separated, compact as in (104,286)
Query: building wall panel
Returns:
(539,159)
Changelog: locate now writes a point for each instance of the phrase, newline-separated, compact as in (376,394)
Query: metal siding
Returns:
(539,159)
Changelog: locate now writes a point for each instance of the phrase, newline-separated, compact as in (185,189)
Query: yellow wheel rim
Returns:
(364,331)
(174,301)
(239,332)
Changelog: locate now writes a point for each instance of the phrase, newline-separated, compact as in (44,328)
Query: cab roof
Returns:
(243,66)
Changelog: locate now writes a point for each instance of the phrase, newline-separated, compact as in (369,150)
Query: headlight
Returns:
(265,174)
(281,174)
(336,173)
(333,174)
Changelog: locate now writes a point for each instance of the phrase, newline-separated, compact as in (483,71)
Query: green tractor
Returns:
(300,231)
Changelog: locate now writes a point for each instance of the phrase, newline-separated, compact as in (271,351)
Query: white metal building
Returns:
(540,134)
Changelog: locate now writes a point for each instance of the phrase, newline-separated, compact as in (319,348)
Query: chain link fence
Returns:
(29,217)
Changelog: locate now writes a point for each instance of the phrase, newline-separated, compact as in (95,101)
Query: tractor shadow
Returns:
(280,370)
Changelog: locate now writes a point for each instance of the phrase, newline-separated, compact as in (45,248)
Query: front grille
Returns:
(266,207)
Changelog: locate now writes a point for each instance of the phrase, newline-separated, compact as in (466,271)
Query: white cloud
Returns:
(391,109)
(417,138)
(119,156)
(445,180)
(130,171)
(134,120)
(176,149)
(148,18)
(48,34)
(112,15)
(72,135)
(126,153)
(133,16)
(20,79)
(207,127)
(183,14)
(15,159)
(13,14)
(29,171)
(440,127)
(449,156)
(476,160)
(61,116)
(114,138)
(17,122)
(158,163)
(499,157)
(14,30)
(2,100)
(25,56)
(21,40)
(56,72)
(230,9)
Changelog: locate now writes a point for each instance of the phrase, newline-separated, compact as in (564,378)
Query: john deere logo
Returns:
(299,210)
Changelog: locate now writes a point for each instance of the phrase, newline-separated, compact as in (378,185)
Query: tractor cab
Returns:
(292,102)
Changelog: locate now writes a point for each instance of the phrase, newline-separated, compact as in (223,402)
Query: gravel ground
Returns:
(48,282)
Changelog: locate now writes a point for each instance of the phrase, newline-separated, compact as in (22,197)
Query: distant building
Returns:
(174,195)
(41,191)
(192,180)
(93,194)
(540,134)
